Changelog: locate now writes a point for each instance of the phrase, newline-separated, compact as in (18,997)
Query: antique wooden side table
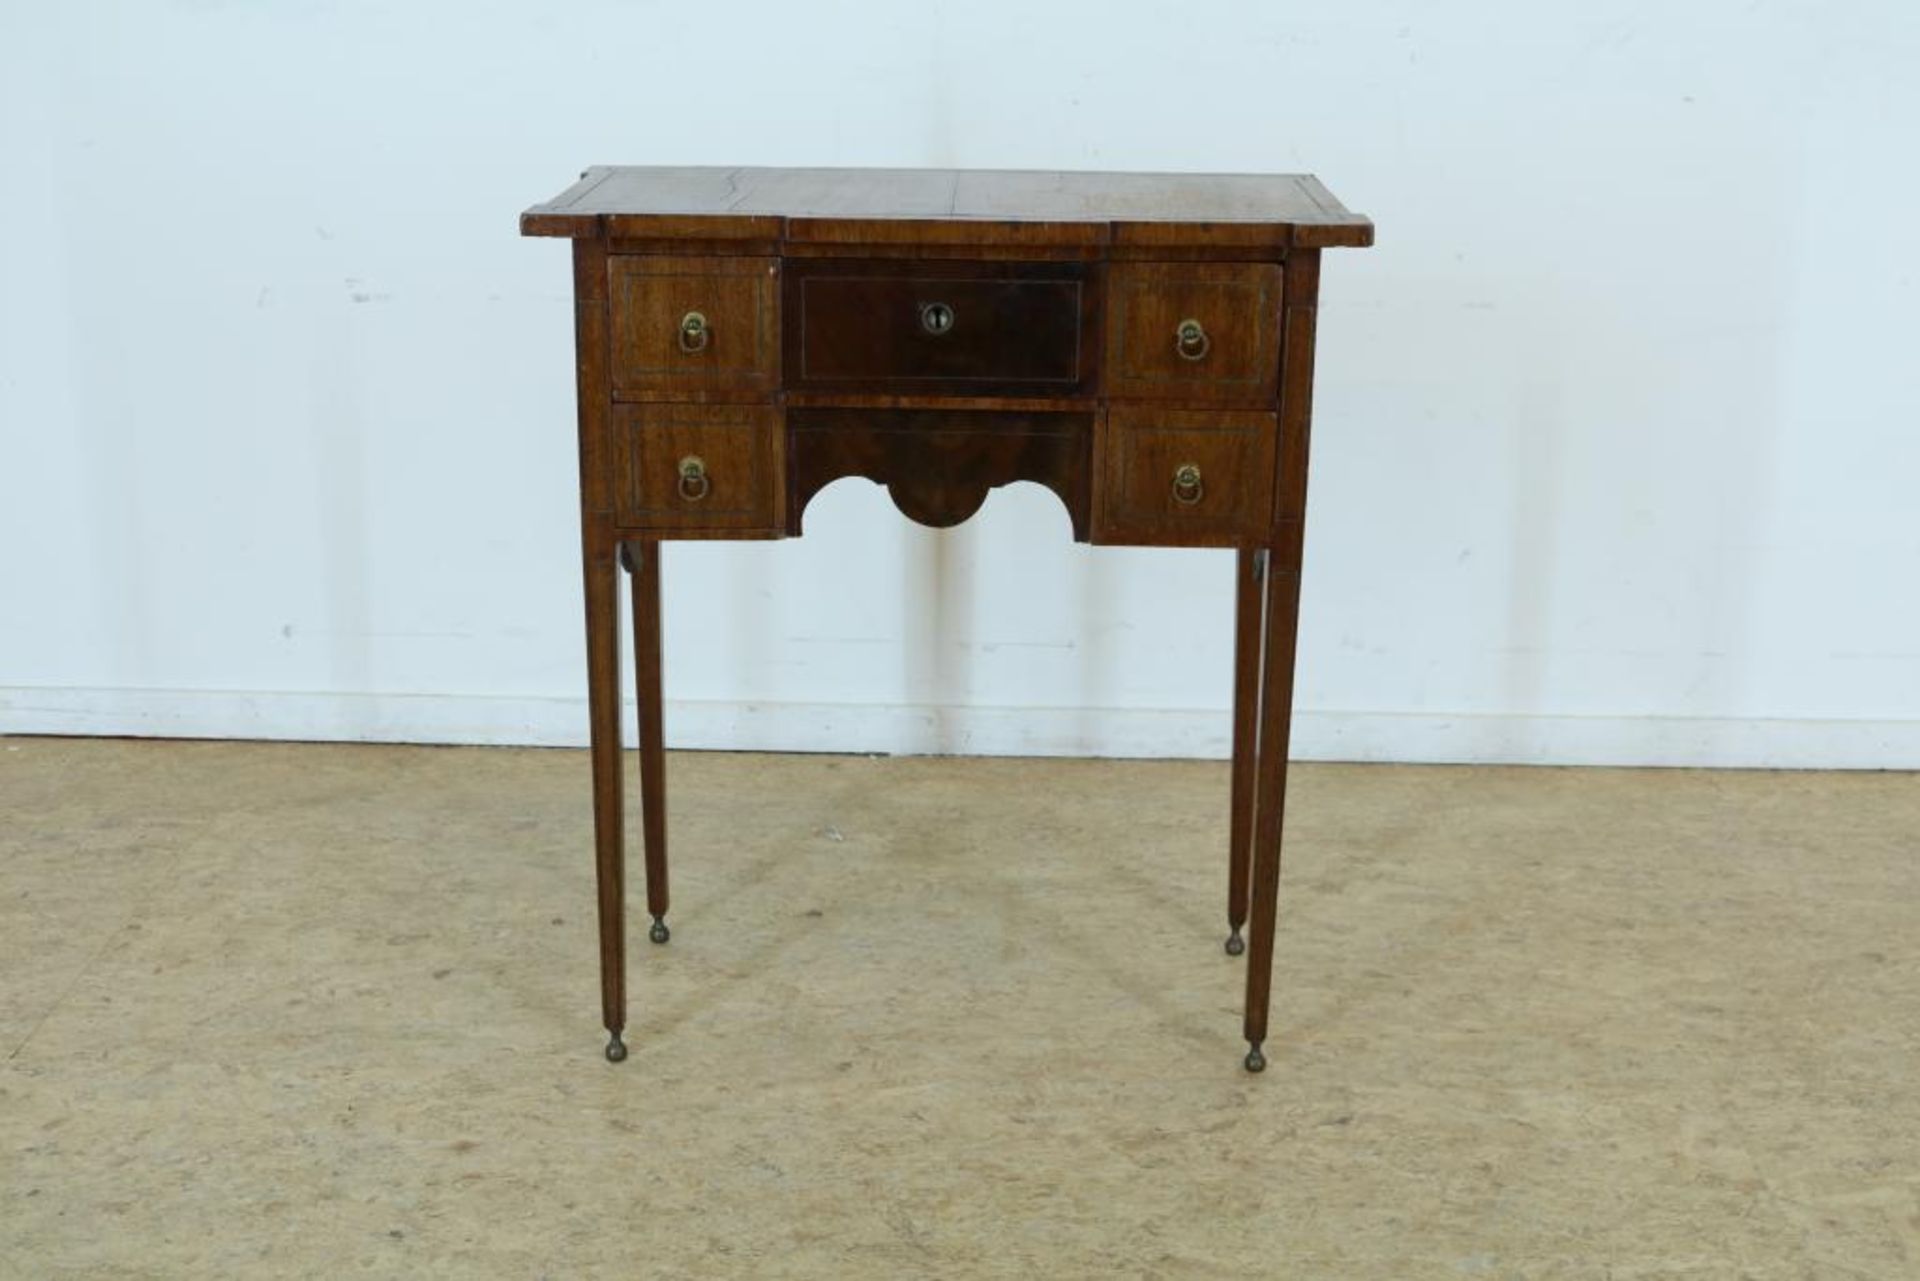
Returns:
(1140,344)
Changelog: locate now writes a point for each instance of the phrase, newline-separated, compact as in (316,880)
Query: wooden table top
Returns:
(866,206)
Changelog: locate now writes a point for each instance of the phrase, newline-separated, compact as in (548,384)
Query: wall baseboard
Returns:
(968,731)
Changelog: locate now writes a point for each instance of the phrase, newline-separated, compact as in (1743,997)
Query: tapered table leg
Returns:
(643,560)
(1276,717)
(1250,591)
(603,715)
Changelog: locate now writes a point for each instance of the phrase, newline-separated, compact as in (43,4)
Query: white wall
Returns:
(1618,428)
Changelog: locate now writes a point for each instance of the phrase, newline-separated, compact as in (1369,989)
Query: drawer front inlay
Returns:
(1194,331)
(967,328)
(694,325)
(691,468)
(1183,477)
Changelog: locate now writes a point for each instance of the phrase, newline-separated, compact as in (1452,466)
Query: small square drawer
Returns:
(1175,476)
(1194,331)
(918,328)
(699,467)
(694,324)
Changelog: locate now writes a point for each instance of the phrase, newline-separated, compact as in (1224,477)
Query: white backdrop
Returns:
(1617,433)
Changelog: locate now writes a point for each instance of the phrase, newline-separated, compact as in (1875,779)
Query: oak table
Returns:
(1140,344)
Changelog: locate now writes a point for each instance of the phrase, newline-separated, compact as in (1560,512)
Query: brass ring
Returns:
(1190,340)
(1188,488)
(695,333)
(694,484)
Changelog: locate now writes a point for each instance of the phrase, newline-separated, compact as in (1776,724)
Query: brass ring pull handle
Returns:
(1190,340)
(1187,486)
(936,318)
(694,484)
(695,333)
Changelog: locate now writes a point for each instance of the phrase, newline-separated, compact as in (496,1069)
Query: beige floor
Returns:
(328,1010)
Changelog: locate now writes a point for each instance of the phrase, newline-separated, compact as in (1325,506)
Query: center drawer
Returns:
(946,328)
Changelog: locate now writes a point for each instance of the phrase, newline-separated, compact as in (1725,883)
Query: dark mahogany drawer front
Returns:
(1194,331)
(694,325)
(942,328)
(689,468)
(1191,477)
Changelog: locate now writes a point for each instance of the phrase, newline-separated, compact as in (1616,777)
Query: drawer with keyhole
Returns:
(914,328)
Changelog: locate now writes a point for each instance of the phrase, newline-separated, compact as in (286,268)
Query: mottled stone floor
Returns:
(279,1010)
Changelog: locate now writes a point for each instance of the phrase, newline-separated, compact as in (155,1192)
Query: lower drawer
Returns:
(694,468)
(1183,477)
